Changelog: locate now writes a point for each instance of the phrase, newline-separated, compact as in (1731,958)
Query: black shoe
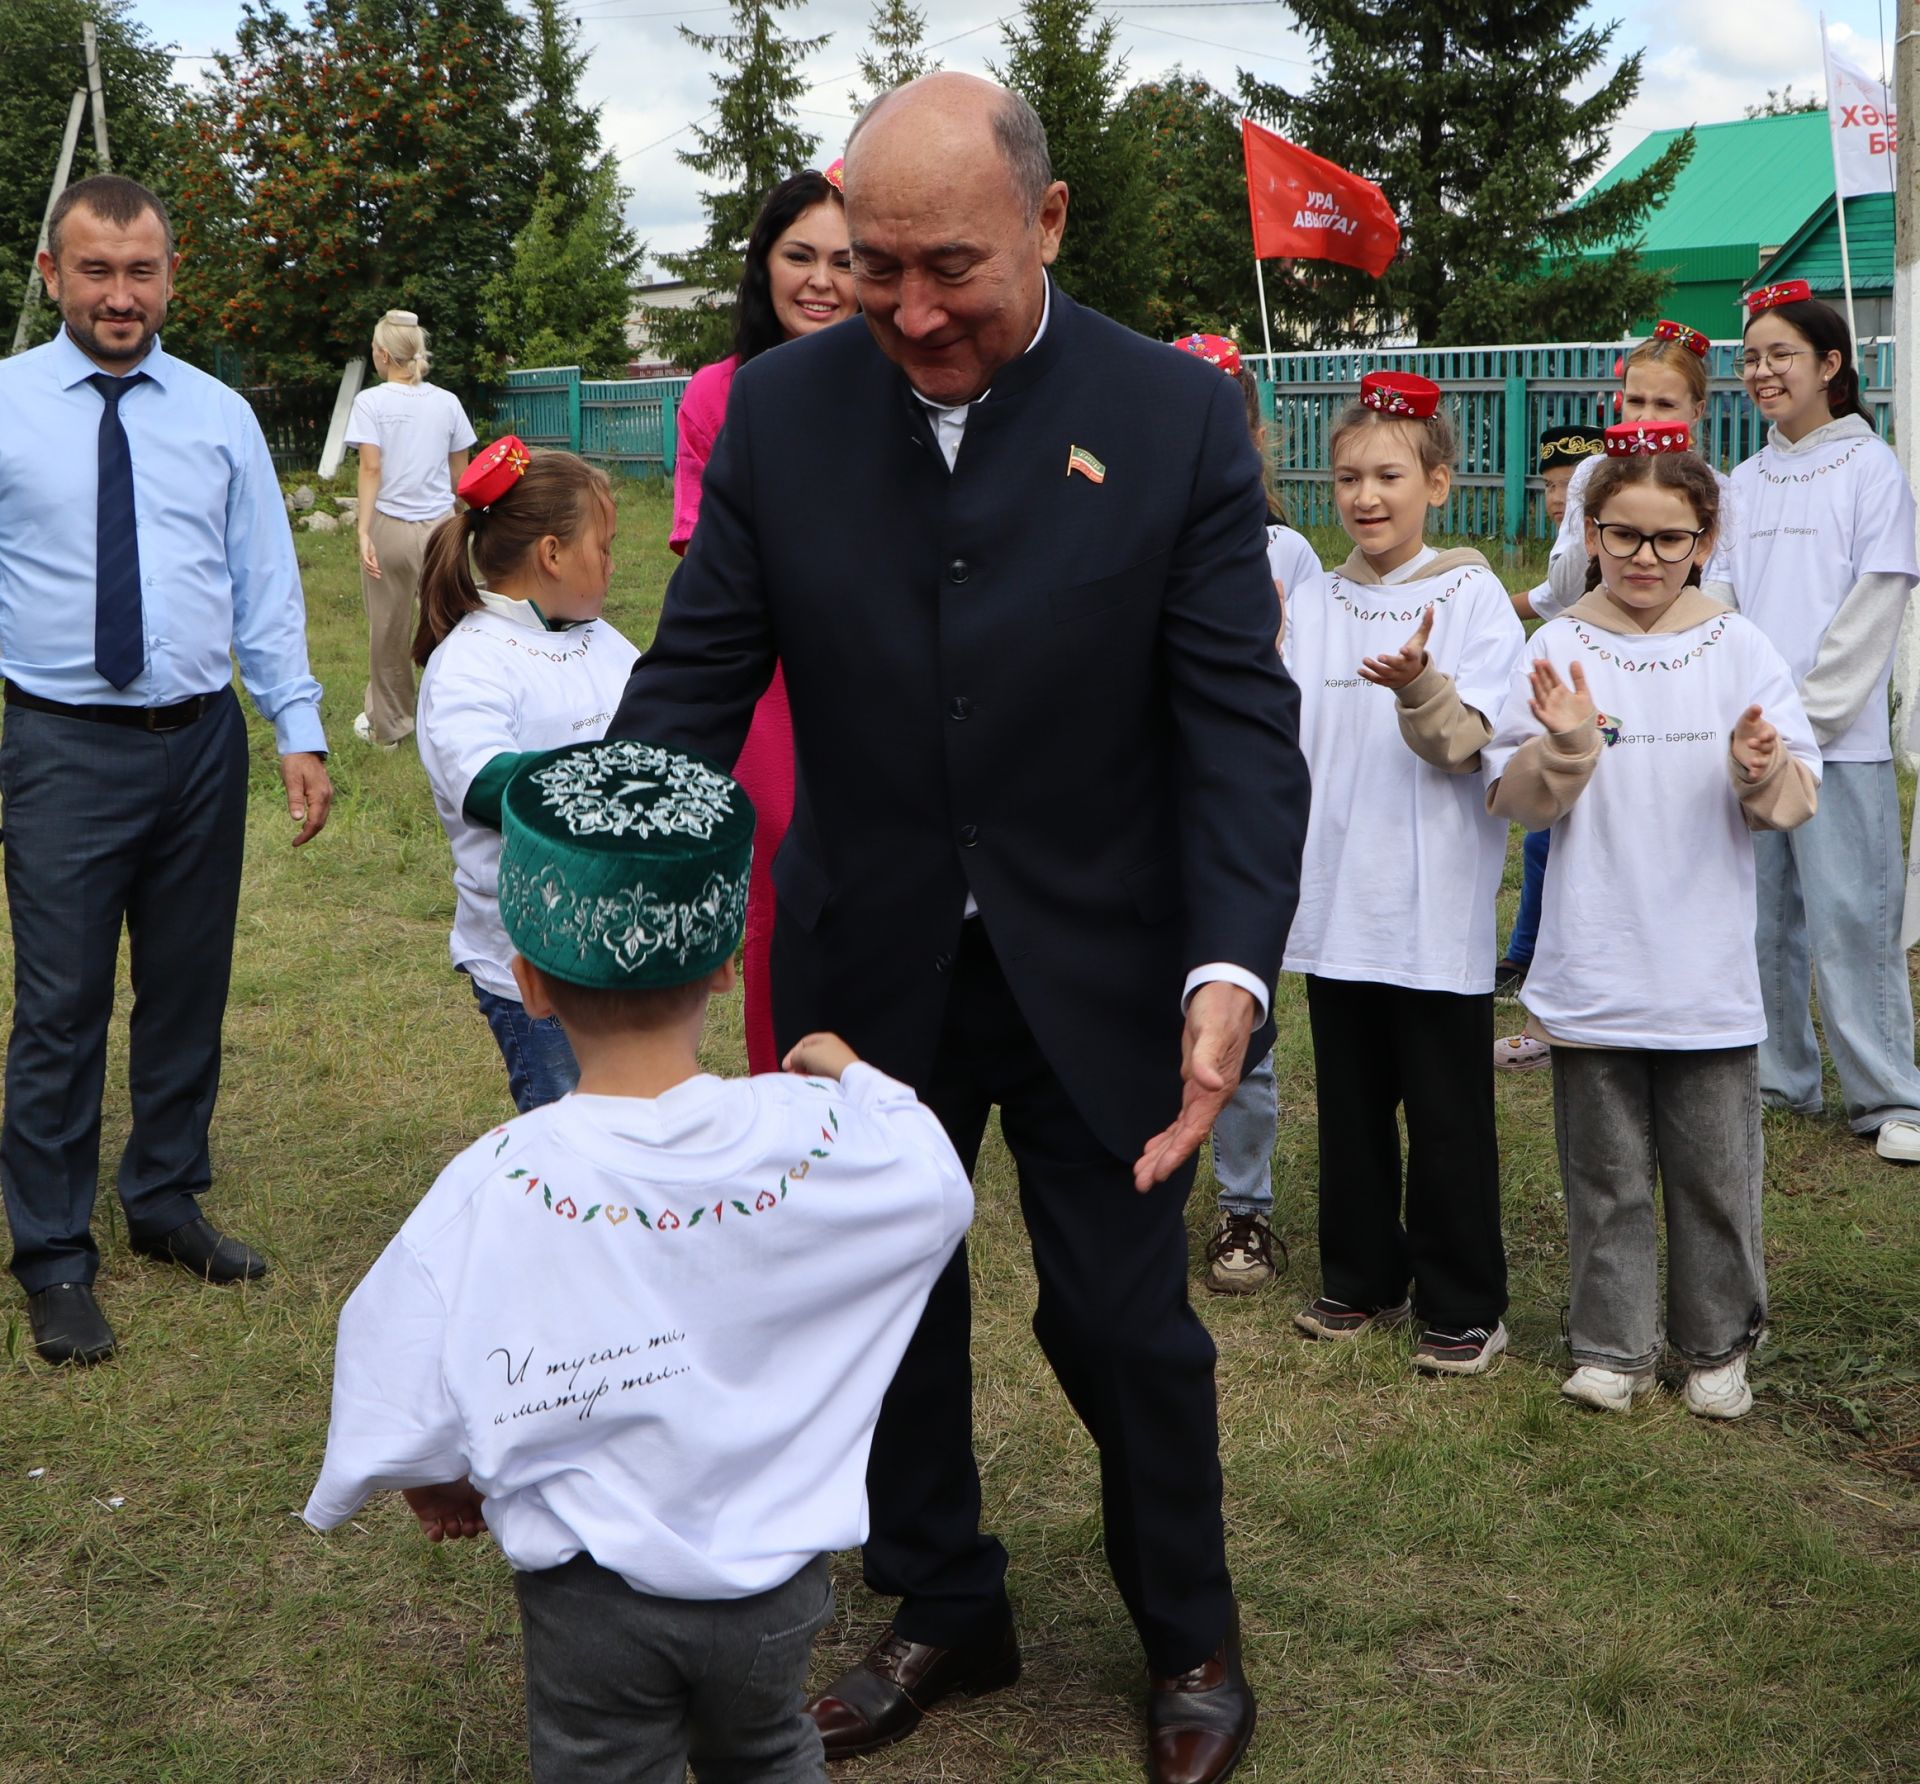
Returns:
(203,1250)
(68,1326)
(882,1700)
(1507,978)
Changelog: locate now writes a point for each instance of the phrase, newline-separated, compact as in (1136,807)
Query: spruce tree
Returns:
(1063,63)
(1463,117)
(895,55)
(753,144)
(563,134)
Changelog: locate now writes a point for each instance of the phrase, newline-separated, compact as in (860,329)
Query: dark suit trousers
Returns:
(1376,1049)
(1114,1322)
(108,825)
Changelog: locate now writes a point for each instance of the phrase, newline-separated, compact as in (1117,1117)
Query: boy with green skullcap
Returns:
(644,1332)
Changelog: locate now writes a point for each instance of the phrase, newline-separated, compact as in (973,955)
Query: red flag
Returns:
(1307,209)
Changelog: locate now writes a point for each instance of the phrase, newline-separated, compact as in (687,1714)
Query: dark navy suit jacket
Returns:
(1059,694)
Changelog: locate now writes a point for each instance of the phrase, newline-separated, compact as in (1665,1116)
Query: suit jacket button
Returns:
(943,963)
(959,707)
(957,571)
(969,835)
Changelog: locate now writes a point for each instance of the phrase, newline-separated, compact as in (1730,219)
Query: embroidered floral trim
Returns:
(1645,665)
(1817,471)
(670,1220)
(1404,618)
(598,793)
(636,925)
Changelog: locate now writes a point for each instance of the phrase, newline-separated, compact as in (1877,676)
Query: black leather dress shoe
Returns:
(881,1700)
(68,1326)
(202,1249)
(1200,1723)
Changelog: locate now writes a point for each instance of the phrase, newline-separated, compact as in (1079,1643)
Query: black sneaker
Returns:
(1469,1352)
(1508,977)
(1324,1317)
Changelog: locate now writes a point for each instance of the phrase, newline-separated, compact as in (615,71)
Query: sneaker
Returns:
(1324,1317)
(1469,1352)
(1240,1254)
(363,729)
(1720,1392)
(1520,1053)
(1607,1390)
(1899,1141)
(1507,978)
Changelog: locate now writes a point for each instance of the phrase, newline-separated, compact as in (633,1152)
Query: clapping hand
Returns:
(819,1056)
(1755,742)
(1556,705)
(1406,663)
(451,1509)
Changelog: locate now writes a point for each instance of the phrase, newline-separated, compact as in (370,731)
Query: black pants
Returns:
(1375,1049)
(1115,1324)
(107,826)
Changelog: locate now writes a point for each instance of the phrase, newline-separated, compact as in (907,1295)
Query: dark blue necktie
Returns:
(119,642)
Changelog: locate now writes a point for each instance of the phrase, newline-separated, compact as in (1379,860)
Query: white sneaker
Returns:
(1607,1390)
(1899,1141)
(1720,1393)
(1520,1053)
(363,729)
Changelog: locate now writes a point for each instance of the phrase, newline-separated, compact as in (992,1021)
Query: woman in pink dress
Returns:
(798,278)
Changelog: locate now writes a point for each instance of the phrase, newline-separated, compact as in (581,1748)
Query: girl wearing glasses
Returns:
(1669,731)
(1824,561)
(1664,386)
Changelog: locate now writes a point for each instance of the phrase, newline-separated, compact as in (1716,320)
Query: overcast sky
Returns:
(1705,62)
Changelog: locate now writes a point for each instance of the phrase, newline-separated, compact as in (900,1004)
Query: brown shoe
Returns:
(881,1700)
(1200,1723)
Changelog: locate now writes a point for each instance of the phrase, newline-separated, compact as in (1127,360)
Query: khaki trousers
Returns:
(399,545)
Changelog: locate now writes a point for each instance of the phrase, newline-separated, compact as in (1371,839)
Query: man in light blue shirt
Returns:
(143,548)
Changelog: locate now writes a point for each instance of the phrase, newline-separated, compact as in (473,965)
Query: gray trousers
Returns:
(109,826)
(1243,1137)
(627,1689)
(1692,1119)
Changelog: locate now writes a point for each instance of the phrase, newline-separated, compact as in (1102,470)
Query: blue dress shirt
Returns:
(218,578)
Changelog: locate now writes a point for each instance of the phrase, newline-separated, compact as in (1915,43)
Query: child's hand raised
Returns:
(1755,743)
(451,1510)
(820,1056)
(1406,663)
(1556,705)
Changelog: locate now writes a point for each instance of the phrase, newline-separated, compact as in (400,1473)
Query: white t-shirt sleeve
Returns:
(922,1140)
(460,434)
(394,1421)
(1514,723)
(363,428)
(467,720)
(1779,702)
(1883,536)
(1493,644)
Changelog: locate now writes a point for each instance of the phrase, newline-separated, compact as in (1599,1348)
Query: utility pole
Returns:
(60,172)
(96,94)
(1906,333)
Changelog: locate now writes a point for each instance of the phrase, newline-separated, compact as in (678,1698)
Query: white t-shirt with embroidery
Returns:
(417,427)
(1402,861)
(1567,562)
(656,1330)
(1294,563)
(1810,527)
(501,682)
(1646,933)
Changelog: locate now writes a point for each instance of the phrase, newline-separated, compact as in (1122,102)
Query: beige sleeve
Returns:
(1438,726)
(1546,775)
(1782,798)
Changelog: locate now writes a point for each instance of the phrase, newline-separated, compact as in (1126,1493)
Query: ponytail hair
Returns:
(1257,430)
(556,496)
(1686,472)
(400,337)
(1825,330)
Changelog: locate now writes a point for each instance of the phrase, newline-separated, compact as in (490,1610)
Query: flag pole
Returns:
(1266,327)
(1839,197)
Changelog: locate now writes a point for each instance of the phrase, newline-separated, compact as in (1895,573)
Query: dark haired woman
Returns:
(1823,561)
(798,279)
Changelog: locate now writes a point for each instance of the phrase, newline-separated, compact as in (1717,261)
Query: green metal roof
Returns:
(1813,252)
(1748,185)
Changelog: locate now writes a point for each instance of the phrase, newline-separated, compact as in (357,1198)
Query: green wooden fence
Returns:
(1501,399)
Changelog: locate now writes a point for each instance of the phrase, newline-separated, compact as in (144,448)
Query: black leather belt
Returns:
(140,718)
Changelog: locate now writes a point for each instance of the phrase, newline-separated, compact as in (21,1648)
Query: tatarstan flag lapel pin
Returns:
(1081,460)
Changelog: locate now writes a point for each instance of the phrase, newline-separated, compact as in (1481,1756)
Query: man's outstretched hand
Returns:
(1220,1020)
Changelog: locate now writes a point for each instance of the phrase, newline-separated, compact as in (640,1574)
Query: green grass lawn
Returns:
(1440,1580)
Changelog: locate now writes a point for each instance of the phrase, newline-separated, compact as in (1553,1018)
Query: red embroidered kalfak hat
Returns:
(498,468)
(1628,439)
(1400,393)
(1771,297)
(1214,349)
(1690,338)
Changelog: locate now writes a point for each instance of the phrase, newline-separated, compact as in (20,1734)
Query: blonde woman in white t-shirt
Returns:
(1394,930)
(414,440)
(1655,730)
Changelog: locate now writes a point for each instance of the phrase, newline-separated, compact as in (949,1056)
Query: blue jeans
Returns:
(1829,918)
(1243,1142)
(541,1068)
(1533,886)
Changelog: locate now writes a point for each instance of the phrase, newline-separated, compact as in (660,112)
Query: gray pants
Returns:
(1692,1119)
(627,1689)
(1243,1136)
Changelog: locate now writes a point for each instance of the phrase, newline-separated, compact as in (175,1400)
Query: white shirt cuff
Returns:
(1234,975)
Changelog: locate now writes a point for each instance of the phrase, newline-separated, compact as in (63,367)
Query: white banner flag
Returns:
(1865,135)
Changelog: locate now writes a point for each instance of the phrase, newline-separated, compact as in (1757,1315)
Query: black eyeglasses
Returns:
(1750,360)
(1671,545)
